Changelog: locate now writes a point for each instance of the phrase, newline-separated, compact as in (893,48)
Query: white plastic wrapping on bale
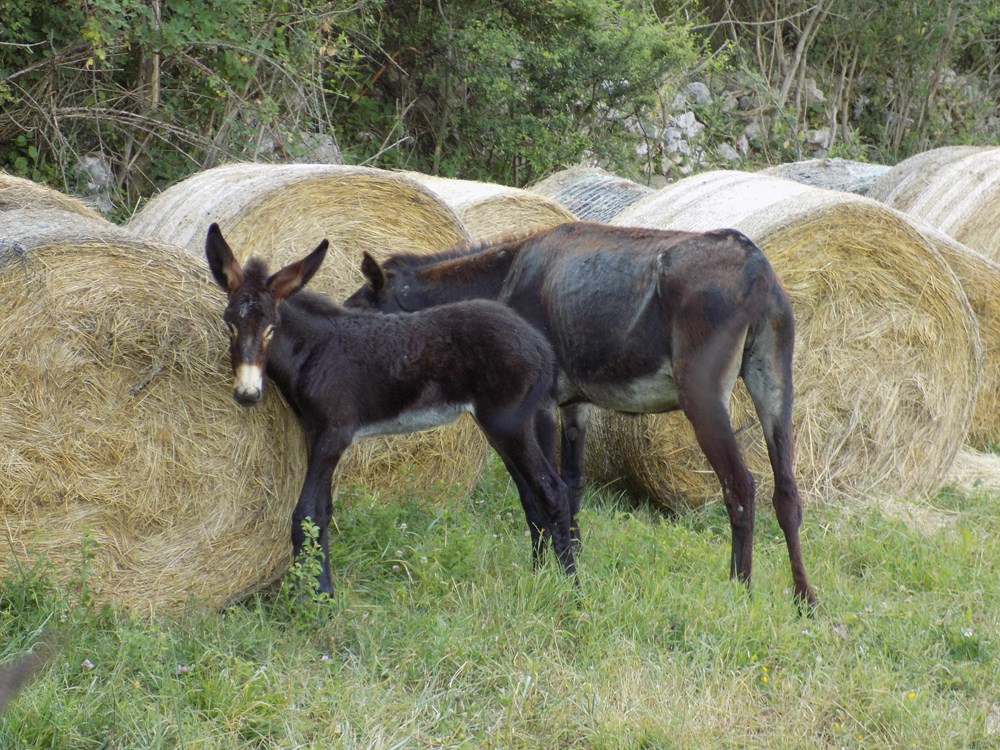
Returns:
(488,210)
(590,193)
(955,189)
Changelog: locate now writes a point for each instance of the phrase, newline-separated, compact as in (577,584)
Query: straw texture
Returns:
(17,192)
(955,189)
(488,210)
(590,193)
(887,360)
(280,212)
(980,279)
(117,425)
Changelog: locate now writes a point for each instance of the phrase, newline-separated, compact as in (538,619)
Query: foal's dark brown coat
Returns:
(641,320)
(348,374)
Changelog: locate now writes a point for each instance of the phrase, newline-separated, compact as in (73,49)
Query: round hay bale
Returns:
(832,174)
(881,404)
(980,279)
(955,189)
(590,193)
(117,424)
(17,192)
(488,210)
(280,212)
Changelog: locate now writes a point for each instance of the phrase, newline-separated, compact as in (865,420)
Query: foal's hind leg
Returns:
(705,377)
(767,373)
(542,492)
(538,520)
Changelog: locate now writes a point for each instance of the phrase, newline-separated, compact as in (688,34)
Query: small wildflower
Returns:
(87,664)
(912,696)
(183,669)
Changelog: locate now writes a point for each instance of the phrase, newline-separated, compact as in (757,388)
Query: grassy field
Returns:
(441,636)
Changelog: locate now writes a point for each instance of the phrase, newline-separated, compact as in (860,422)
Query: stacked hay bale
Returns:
(117,425)
(882,404)
(954,189)
(590,193)
(17,192)
(281,212)
(488,210)
(832,174)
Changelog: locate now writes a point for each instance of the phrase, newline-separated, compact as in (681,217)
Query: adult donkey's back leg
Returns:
(705,372)
(767,372)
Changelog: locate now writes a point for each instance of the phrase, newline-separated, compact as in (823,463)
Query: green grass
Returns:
(440,635)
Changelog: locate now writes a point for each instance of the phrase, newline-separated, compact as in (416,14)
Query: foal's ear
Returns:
(372,271)
(225,268)
(290,279)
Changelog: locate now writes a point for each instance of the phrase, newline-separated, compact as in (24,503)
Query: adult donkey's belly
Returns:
(648,393)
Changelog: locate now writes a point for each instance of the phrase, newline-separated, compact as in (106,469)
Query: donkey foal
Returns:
(350,374)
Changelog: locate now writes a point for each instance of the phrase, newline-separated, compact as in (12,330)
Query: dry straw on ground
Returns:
(887,356)
(281,212)
(831,174)
(955,189)
(117,425)
(975,471)
(488,210)
(590,193)
(17,192)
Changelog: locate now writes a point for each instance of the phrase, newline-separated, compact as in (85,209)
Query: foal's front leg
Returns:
(316,500)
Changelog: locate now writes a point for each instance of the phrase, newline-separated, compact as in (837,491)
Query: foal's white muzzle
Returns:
(249,386)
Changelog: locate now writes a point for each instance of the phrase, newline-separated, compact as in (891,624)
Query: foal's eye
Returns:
(268,333)
(232,330)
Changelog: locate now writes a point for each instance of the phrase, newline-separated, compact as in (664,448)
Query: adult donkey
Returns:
(641,321)
(349,374)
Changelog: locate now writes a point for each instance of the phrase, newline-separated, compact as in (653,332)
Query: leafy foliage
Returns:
(164,87)
(498,90)
(506,91)
(899,76)
(161,88)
